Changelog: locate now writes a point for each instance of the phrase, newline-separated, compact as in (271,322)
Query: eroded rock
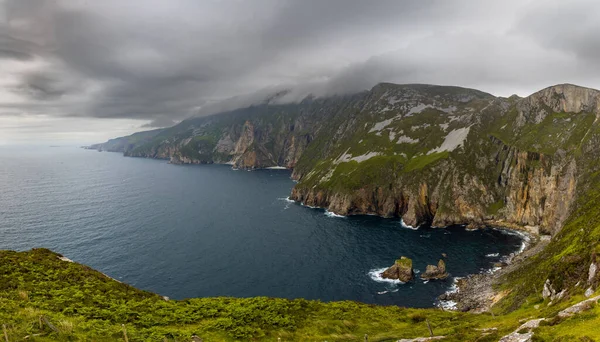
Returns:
(435,272)
(401,270)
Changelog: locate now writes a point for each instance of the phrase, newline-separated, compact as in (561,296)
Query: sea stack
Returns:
(435,272)
(401,270)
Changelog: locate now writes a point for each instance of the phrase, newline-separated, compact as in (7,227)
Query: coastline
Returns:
(476,293)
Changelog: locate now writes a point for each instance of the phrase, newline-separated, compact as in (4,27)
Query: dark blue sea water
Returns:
(207,230)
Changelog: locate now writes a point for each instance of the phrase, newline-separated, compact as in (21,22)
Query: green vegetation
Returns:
(495,207)
(404,262)
(420,162)
(83,304)
(511,155)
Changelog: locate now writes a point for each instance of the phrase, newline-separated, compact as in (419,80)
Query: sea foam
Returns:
(404,225)
(332,214)
(375,274)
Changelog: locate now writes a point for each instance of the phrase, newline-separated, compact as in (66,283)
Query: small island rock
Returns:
(401,270)
(435,272)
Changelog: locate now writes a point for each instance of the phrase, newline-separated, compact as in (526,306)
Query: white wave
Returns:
(308,206)
(492,255)
(493,270)
(417,271)
(287,200)
(425,235)
(276,168)
(525,240)
(375,274)
(404,225)
(386,291)
(449,304)
(332,214)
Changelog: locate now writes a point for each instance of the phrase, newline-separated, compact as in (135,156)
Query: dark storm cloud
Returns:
(163,61)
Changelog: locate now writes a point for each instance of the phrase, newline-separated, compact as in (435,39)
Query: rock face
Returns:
(401,270)
(548,292)
(435,272)
(565,98)
(429,154)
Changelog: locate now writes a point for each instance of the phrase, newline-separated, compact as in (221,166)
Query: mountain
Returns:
(430,154)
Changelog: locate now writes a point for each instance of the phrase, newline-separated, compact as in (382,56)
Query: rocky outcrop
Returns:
(562,98)
(435,272)
(493,174)
(548,292)
(524,333)
(532,189)
(401,270)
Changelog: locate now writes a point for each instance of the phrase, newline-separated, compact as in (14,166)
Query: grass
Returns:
(83,304)
(404,262)
(420,162)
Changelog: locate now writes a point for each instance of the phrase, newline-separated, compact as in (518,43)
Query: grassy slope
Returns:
(84,304)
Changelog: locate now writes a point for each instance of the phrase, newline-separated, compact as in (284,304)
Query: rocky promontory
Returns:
(435,272)
(401,270)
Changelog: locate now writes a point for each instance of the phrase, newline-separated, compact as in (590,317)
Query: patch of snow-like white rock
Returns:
(523,337)
(403,139)
(381,125)
(579,307)
(347,157)
(592,272)
(421,107)
(365,156)
(422,339)
(417,109)
(453,140)
(414,128)
(328,176)
(392,135)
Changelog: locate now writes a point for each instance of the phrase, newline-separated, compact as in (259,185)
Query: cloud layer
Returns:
(158,62)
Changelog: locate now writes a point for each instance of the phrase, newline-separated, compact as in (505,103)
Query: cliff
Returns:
(430,154)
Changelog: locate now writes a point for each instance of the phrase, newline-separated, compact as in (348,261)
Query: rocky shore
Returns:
(475,293)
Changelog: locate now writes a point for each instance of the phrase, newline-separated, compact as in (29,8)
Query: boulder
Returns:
(401,270)
(435,272)
(592,272)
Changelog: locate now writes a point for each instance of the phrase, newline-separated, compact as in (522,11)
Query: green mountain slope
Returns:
(444,155)
(44,297)
(428,154)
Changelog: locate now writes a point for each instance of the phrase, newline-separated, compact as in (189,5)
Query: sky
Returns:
(84,71)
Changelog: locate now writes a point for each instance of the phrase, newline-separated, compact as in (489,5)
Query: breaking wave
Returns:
(404,225)
(332,214)
(375,274)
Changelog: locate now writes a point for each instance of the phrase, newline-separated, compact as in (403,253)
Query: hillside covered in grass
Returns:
(433,155)
(45,297)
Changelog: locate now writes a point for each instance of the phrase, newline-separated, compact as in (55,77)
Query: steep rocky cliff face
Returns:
(254,137)
(429,154)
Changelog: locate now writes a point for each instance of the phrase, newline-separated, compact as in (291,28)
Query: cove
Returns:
(207,230)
